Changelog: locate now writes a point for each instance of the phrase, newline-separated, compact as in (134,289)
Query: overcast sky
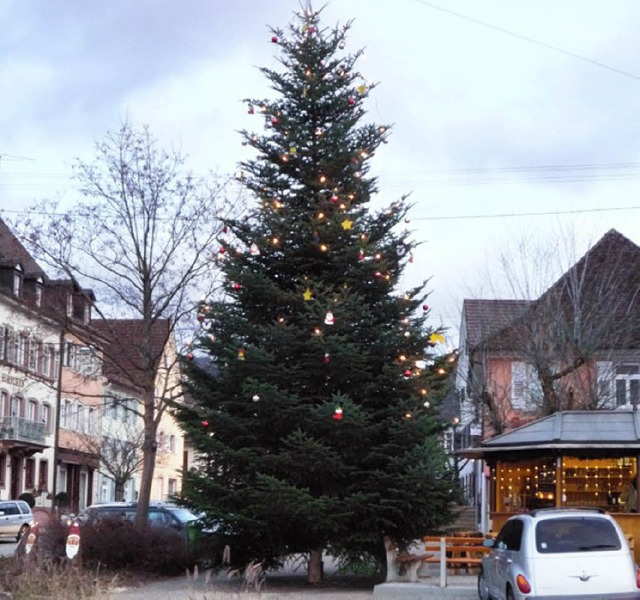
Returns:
(502,108)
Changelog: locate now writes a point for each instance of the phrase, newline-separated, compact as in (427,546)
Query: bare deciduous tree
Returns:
(144,237)
(589,315)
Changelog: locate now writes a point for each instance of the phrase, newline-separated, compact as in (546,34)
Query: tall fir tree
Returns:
(317,418)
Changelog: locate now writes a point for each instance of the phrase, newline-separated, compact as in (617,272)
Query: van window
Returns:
(576,534)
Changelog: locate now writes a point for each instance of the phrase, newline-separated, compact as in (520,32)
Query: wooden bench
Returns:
(455,552)
(403,565)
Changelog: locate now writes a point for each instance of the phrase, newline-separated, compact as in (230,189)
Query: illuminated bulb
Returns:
(407,334)
(424,391)
(323,247)
(275,241)
(285,158)
(321,215)
(277,204)
(402,357)
(323,178)
(426,404)
(256,398)
(408,415)
(441,371)
(317,331)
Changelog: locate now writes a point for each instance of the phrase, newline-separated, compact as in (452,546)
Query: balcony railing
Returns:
(23,430)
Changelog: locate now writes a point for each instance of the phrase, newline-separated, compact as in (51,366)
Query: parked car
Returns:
(15,518)
(161,515)
(580,554)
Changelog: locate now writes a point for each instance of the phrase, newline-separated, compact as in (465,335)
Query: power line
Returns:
(526,214)
(529,39)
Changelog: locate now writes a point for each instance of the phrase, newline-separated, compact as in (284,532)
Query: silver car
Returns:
(553,554)
(15,518)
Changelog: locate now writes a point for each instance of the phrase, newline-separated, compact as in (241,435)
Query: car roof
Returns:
(556,513)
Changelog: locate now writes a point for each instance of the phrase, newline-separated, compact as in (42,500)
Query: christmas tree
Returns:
(316,415)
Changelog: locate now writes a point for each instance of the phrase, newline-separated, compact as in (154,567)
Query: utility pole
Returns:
(56,433)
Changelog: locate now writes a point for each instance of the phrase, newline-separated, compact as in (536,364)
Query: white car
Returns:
(15,518)
(554,554)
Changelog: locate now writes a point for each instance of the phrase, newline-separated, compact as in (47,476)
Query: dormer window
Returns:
(69,305)
(87,312)
(17,281)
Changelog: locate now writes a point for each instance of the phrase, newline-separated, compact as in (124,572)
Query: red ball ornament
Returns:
(327,358)
(425,307)
(352,101)
(334,198)
(274,120)
(407,373)
(205,423)
(337,414)
(251,110)
(377,274)
(200,317)
(312,29)
(274,39)
(190,356)
(222,250)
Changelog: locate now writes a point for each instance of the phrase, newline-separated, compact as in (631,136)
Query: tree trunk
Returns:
(119,493)
(314,572)
(149,447)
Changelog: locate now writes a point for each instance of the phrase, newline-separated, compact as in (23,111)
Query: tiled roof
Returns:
(604,428)
(12,251)
(485,318)
(604,285)
(125,354)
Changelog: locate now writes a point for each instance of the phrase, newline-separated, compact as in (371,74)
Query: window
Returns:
(33,411)
(4,404)
(4,342)
(572,534)
(82,424)
(91,416)
(17,407)
(69,353)
(172,444)
(32,361)
(3,469)
(11,349)
(39,289)
(55,363)
(510,536)
(65,414)
(46,417)
(45,360)
(21,350)
(17,282)
(627,385)
(525,386)
(172,488)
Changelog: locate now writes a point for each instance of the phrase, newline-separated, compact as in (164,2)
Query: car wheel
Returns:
(510,595)
(22,531)
(483,588)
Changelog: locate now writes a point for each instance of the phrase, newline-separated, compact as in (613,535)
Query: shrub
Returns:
(29,498)
(62,499)
(117,544)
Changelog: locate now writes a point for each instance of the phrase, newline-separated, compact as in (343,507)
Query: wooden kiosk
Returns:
(569,459)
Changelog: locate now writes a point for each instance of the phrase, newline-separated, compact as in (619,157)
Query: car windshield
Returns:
(183,515)
(576,534)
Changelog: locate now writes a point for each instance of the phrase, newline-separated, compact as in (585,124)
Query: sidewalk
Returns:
(460,587)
